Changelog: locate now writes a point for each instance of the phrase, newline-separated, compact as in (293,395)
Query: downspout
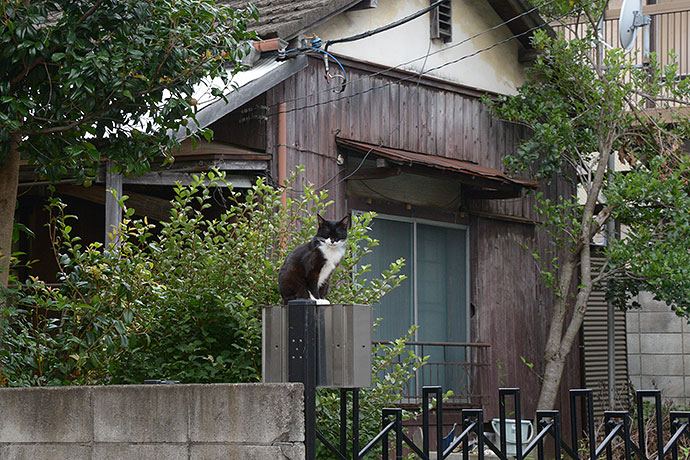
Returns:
(282,151)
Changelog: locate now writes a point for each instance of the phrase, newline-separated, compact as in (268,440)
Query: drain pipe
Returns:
(282,151)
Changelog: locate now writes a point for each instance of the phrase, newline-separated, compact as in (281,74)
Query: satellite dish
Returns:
(631,19)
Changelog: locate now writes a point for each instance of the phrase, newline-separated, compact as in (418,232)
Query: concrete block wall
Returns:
(146,422)
(659,350)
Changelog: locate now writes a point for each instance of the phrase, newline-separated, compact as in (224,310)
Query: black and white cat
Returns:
(307,270)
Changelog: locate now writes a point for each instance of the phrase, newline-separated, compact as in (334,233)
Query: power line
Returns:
(390,133)
(392,25)
(446,48)
(409,77)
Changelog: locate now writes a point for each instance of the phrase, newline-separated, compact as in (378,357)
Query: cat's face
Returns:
(333,232)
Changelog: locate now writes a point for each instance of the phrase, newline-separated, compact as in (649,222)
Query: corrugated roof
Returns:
(432,161)
(246,85)
(286,19)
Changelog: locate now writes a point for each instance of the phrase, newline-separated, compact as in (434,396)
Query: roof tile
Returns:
(286,19)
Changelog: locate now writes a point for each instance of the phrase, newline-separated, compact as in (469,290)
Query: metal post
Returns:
(425,422)
(343,422)
(480,434)
(302,363)
(607,429)
(590,426)
(626,437)
(556,430)
(518,426)
(355,423)
(384,439)
(439,422)
(399,435)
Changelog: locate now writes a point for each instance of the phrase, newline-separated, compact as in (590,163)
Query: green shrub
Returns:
(183,301)
(182,305)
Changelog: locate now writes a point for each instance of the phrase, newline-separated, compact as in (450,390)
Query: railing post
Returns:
(675,424)
(478,428)
(480,434)
(626,436)
(656,394)
(587,394)
(541,423)
(398,435)
(590,426)
(426,448)
(608,424)
(343,421)
(465,446)
(384,439)
(397,413)
(355,423)
(502,392)
(302,363)
(425,422)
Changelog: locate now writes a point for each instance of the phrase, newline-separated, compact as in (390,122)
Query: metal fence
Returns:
(303,366)
(669,34)
(473,439)
(453,366)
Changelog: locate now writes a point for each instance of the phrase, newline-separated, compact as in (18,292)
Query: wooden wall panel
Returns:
(511,311)
(404,115)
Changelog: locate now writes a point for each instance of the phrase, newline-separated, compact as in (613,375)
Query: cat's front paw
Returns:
(322,302)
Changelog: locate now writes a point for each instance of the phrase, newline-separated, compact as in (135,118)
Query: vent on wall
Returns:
(440,22)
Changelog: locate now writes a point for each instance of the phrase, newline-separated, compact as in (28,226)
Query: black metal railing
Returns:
(455,366)
(617,424)
(302,367)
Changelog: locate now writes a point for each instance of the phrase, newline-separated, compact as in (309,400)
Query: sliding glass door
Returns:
(434,296)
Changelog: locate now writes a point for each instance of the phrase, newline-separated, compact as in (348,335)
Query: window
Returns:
(434,296)
(441,25)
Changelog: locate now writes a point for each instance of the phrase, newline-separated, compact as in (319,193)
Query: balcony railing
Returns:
(454,366)
(669,32)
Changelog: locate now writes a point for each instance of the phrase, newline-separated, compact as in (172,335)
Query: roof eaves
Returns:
(525,25)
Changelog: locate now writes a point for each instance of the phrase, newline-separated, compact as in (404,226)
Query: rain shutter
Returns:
(594,331)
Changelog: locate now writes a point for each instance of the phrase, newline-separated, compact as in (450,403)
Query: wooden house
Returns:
(405,134)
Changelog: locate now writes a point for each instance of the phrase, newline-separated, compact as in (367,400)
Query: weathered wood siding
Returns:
(414,114)
(511,306)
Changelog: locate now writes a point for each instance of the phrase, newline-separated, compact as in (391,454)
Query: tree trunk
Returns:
(9,181)
(559,344)
(552,380)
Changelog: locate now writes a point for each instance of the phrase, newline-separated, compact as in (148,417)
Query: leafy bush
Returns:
(182,305)
(185,304)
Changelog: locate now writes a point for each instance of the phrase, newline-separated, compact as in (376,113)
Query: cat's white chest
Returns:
(333,253)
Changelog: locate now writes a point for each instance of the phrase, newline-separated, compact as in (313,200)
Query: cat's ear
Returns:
(321,221)
(346,221)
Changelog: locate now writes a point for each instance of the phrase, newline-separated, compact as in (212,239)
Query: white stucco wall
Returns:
(494,70)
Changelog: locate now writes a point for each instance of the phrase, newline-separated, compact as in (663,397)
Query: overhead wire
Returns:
(392,25)
(444,49)
(409,77)
(418,75)
(366,155)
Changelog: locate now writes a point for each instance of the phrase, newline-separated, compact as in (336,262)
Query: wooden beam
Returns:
(184,178)
(373,173)
(144,205)
(365,5)
(503,217)
(113,211)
